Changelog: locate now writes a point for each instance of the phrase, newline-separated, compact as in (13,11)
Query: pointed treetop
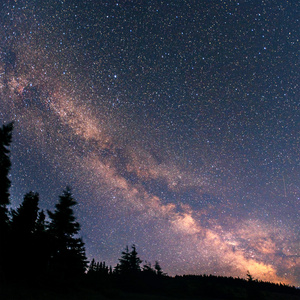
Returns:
(63,222)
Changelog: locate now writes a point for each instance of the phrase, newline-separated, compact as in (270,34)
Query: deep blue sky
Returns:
(175,122)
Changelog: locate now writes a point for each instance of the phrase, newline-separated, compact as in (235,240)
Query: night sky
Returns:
(176,123)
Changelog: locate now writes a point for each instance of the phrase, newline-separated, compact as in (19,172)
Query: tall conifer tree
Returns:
(5,164)
(68,253)
(22,239)
(25,217)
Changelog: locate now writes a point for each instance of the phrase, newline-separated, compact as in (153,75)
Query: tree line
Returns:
(32,247)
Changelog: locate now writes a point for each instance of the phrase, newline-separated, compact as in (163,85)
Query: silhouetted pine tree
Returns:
(117,270)
(40,226)
(123,268)
(68,252)
(135,261)
(249,276)
(5,164)
(129,265)
(23,244)
(92,267)
(42,242)
(128,269)
(97,271)
(158,269)
(25,217)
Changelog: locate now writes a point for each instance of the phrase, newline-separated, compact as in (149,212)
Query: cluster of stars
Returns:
(175,122)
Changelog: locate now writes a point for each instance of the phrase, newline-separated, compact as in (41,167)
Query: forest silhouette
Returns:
(42,259)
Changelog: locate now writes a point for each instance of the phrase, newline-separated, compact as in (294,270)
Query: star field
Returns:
(175,122)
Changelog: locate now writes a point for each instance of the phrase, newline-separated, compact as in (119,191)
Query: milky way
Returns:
(175,123)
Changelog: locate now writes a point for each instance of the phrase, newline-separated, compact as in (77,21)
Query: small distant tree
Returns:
(98,272)
(158,269)
(249,276)
(135,261)
(92,267)
(129,263)
(102,268)
(117,270)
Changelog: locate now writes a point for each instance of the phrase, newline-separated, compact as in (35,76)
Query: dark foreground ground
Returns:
(17,293)
(189,288)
